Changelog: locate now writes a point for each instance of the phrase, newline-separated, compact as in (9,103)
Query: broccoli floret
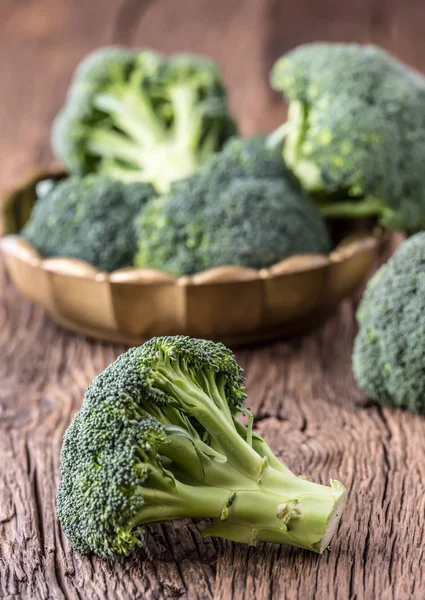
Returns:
(158,438)
(356,131)
(242,207)
(388,358)
(90,218)
(136,115)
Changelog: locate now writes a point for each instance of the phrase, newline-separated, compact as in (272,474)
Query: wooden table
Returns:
(302,391)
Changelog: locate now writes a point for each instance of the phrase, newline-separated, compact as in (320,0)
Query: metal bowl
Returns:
(232,304)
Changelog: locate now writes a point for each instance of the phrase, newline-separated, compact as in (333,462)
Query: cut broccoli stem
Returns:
(355,209)
(213,472)
(295,517)
(302,520)
(137,128)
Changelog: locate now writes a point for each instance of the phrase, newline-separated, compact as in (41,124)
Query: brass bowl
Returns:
(232,304)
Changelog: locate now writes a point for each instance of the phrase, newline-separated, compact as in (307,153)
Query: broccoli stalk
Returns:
(356,209)
(298,515)
(262,499)
(140,145)
(270,506)
(158,439)
(306,171)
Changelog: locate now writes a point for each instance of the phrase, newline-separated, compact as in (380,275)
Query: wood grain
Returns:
(302,391)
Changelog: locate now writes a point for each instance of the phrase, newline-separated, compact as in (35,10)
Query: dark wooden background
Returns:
(302,390)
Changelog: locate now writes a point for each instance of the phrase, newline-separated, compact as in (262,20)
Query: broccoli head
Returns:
(242,207)
(90,218)
(356,131)
(136,115)
(158,438)
(388,358)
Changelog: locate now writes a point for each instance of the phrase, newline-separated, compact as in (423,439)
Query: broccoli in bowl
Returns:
(90,218)
(242,207)
(355,131)
(136,115)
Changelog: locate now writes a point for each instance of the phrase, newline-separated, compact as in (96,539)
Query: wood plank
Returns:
(310,412)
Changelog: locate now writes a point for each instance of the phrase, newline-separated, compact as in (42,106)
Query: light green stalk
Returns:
(242,485)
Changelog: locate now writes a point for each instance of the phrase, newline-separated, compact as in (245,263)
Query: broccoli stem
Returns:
(278,135)
(112,144)
(136,129)
(297,125)
(187,116)
(355,209)
(170,378)
(132,114)
(191,458)
(303,520)
(261,447)
(222,429)
(185,501)
(295,517)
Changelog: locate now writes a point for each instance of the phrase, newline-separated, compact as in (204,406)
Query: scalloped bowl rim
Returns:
(14,245)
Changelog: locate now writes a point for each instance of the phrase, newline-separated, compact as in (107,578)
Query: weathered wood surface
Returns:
(302,391)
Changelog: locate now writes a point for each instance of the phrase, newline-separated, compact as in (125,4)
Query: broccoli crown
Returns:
(157,439)
(241,208)
(388,358)
(90,218)
(110,449)
(136,115)
(356,125)
(197,357)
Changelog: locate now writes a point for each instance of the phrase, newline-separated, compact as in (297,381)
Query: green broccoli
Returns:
(356,131)
(136,115)
(388,358)
(242,207)
(90,218)
(158,438)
